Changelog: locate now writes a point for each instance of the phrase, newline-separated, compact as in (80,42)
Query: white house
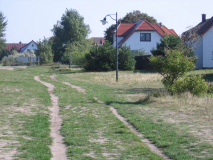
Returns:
(22,47)
(204,51)
(141,35)
(30,46)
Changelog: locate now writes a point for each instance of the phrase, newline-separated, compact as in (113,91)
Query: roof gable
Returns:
(24,47)
(145,26)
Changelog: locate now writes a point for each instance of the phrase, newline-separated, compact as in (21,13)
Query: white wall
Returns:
(135,44)
(199,54)
(208,49)
(114,40)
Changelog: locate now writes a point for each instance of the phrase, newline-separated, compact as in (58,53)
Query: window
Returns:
(145,36)
(32,45)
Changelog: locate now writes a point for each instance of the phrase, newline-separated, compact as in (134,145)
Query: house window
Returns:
(145,37)
(32,45)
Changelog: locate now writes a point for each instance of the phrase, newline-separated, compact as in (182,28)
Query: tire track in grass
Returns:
(58,148)
(150,144)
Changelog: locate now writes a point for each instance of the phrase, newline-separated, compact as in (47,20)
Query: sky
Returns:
(33,19)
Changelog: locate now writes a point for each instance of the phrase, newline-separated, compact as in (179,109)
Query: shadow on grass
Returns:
(140,90)
(145,71)
(208,77)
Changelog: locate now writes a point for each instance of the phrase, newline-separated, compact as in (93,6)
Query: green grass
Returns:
(175,139)
(91,130)
(24,117)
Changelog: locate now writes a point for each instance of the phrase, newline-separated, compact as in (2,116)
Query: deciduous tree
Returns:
(71,28)
(44,50)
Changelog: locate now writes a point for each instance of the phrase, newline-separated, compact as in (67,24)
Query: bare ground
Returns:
(12,67)
(58,148)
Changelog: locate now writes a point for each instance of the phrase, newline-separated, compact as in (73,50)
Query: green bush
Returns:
(194,84)
(172,66)
(103,58)
(9,61)
(125,59)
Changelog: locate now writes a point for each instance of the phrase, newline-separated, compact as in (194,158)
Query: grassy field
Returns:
(181,125)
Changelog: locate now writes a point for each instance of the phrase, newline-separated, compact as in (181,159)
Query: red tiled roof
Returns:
(166,30)
(172,30)
(158,29)
(126,30)
(17,45)
(145,25)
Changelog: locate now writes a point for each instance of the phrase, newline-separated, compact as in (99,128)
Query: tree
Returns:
(44,50)
(4,52)
(135,16)
(76,51)
(168,41)
(3,25)
(71,28)
(131,17)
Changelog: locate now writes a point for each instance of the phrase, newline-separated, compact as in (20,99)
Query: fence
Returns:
(142,63)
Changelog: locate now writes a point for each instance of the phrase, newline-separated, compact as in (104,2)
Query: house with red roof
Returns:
(204,51)
(141,35)
(98,40)
(22,47)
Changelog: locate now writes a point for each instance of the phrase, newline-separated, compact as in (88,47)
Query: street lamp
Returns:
(104,22)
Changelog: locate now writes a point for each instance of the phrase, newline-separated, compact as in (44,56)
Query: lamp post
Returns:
(104,22)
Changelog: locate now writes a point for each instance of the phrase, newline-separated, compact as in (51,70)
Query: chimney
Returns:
(160,24)
(20,42)
(203,17)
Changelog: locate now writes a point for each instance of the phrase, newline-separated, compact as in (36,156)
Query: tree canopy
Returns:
(3,25)
(130,17)
(44,51)
(70,29)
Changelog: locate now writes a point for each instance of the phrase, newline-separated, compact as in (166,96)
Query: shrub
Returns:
(103,58)
(194,84)
(125,59)
(172,66)
(9,61)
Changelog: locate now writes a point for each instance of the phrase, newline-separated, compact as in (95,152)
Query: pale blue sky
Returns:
(33,19)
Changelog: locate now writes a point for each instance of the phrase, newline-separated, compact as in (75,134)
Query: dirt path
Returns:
(58,148)
(152,146)
(12,67)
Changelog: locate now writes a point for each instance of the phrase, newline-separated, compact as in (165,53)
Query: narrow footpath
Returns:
(152,146)
(58,148)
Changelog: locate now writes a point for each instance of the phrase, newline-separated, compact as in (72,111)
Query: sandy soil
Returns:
(12,67)
(58,148)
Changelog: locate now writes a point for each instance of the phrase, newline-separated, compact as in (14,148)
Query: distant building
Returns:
(98,40)
(22,47)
